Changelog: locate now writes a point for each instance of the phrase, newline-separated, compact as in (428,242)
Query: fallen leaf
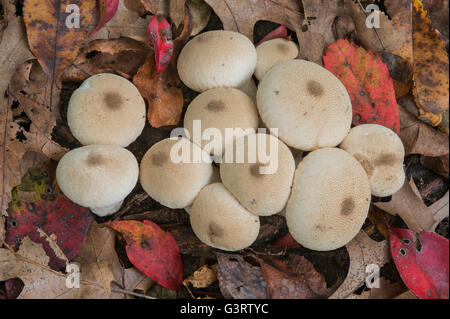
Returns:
(125,23)
(187,241)
(363,251)
(108,9)
(438,12)
(151,5)
(280,32)
(422,262)
(53,36)
(408,204)
(177,11)
(161,91)
(367,81)
(294,279)
(47,216)
(286,242)
(134,280)
(386,290)
(239,279)
(30,264)
(153,251)
(201,13)
(160,33)
(420,138)
(241,16)
(439,209)
(400,71)
(439,165)
(430,70)
(203,277)
(13,47)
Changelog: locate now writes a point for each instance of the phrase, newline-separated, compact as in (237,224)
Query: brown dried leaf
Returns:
(430,70)
(187,242)
(203,277)
(200,12)
(408,204)
(363,251)
(151,5)
(135,280)
(438,11)
(177,11)
(242,15)
(439,165)
(401,13)
(239,279)
(294,279)
(51,40)
(439,210)
(420,138)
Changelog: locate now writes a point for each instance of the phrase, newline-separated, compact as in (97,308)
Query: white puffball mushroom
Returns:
(106,109)
(272,52)
(219,221)
(380,151)
(329,201)
(216,110)
(308,105)
(261,185)
(98,177)
(217,59)
(170,181)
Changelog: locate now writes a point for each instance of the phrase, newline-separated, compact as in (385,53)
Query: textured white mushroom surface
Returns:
(380,151)
(97,175)
(262,194)
(220,108)
(219,221)
(169,180)
(272,52)
(106,109)
(217,59)
(308,105)
(329,201)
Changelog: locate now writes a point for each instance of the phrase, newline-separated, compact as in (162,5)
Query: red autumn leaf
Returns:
(280,32)
(422,261)
(160,32)
(153,251)
(108,9)
(42,212)
(367,81)
(287,241)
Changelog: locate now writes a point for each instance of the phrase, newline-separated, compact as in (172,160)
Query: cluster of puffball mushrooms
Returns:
(325,195)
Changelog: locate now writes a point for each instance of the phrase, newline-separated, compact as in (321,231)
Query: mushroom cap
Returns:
(329,201)
(249,88)
(221,108)
(272,52)
(380,151)
(171,183)
(106,109)
(97,175)
(308,104)
(216,59)
(260,193)
(218,220)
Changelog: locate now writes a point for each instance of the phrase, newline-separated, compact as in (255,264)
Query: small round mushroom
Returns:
(169,180)
(216,110)
(249,88)
(106,109)
(261,185)
(98,176)
(217,59)
(380,151)
(219,221)
(329,201)
(308,104)
(272,52)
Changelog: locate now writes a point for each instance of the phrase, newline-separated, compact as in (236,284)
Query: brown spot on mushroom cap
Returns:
(386,159)
(255,170)
(113,100)
(216,105)
(282,47)
(159,158)
(347,207)
(365,163)
(214,230)
(314,88)
(94,159)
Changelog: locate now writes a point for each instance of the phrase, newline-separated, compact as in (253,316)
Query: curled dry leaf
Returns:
(242,15)
(108,9)
(363,251)
(134,280)
(294,279)
(153,251)
(422,262)
(200,12)
(430,70)
(418,137)
(125,23)
(40,211)
(59,47)
(160,33)
(203,277)
(367,81)
(239,279)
